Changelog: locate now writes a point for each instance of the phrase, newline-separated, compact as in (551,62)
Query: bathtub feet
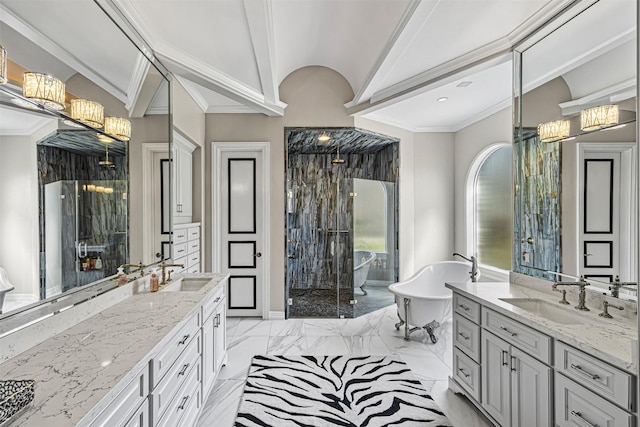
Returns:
(400,323)
(431,328)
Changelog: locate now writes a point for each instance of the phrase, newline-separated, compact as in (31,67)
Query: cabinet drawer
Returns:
(193,259)
(577,406)
(126,403)
(194,233)
(466,336)
(467,373)
(141,416)
(185,403)
(161,363)
(529,340)
(194,268)
(210,304)
(466,307)
(193,246)
(179,251)
(175,377)
(179,235)
(596,375)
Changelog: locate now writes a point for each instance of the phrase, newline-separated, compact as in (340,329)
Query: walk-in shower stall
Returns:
(341,212)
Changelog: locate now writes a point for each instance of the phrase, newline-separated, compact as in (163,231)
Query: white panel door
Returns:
(600,216)
(241,231)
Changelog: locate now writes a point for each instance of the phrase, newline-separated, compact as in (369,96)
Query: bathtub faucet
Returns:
(474,265)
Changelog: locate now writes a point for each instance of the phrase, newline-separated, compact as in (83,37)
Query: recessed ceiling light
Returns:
(464,84)
(324,137)
(442,99)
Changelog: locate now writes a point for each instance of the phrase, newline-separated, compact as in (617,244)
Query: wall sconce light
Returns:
(88,112)
(118,128)
(3,66)
(554,131)
(598,117)
(44,89)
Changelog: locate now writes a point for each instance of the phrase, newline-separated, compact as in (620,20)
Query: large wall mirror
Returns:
(575,149)
(70,158)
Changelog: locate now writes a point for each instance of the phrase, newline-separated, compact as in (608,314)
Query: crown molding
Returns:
(140,69)
(59,52)
(507,103)
(612,94)
(197,97)
(230,109)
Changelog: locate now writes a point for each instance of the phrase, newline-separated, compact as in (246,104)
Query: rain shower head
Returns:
(337,161)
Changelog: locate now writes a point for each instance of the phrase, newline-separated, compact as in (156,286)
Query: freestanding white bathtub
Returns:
(423,301)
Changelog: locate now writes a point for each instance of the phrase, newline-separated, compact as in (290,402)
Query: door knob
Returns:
(158,255)
(258,255)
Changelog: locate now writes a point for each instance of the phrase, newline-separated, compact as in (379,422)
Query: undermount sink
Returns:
(547,310)
(186,285)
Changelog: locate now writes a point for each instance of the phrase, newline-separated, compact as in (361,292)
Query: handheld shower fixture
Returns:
(337,160)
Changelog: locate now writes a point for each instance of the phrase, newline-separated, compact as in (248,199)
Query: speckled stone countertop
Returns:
(79,367)
(608,339)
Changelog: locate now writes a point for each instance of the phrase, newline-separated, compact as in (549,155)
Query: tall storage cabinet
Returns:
(183,178)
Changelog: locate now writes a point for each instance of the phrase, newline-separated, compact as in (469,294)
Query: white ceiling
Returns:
(399,56)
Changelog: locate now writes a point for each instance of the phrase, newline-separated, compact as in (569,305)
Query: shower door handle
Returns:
(81,253)
(258,254)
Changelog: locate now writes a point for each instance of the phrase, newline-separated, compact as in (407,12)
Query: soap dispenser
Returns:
(122,278)
(154,282)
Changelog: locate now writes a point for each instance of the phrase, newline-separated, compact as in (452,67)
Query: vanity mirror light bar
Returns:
(554,131)
(88,112)
(44,89)
(598,117)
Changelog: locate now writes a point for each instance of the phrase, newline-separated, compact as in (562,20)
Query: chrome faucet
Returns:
(605,306)
(164,271)
(581,295)
(474,265)
(617,284)
(140,266)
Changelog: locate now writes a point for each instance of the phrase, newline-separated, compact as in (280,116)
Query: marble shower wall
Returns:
(537,220)
(319,202)
(102,217)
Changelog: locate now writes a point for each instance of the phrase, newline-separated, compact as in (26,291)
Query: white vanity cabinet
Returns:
(466,339)
(515,386)
(214,339)
(186,247)
(183,177)
(589,390)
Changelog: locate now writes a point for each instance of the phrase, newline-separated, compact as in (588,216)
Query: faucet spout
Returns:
(474,265)
(164,271)
(140,266)
(581,295)
(616,285)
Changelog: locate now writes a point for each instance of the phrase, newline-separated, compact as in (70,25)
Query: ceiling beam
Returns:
(414,17)
(260,19)
(213,79)
(370,99)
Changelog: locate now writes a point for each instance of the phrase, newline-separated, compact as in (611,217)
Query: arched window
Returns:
(489,207)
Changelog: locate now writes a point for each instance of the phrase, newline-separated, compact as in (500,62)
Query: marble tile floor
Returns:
(371,334)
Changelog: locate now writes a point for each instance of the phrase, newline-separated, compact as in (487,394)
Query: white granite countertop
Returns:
(608,339)
(79,367)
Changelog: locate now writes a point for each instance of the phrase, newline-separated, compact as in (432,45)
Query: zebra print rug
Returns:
(314,391)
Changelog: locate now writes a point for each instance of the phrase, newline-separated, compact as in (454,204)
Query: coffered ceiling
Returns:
(399,56)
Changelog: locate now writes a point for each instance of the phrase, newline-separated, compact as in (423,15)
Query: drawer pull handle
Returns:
(184,339)
(579,369)
(579,415)
(463,336)
(464,373)
(464,307)
(513,334)
(183,403)
(217,299)
(184,369)
(513,363)
(505,355)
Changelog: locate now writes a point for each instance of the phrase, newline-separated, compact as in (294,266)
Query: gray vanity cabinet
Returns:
(515,386)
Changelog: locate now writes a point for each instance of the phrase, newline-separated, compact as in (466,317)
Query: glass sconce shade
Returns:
(554,131)
(598,117)
(44,89)
(88,112)
(118,127)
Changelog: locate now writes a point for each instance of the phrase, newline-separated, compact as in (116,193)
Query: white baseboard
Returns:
(276,315)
